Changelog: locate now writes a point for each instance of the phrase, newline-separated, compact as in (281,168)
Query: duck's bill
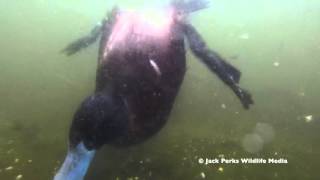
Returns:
(76,164)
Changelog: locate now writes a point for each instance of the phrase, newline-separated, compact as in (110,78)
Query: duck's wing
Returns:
(229,74)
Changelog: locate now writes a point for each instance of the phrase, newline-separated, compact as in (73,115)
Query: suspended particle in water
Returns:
(220,169)
(203,175)
(308,118)
(19,177)
(9,168)
(223,106)
(16,160)
(252,143)
(276,64)
(10,151)
(301,94)
(244,36)
(265,131)
(148,160)
(29,161)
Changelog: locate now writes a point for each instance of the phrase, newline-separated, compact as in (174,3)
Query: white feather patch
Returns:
(155,67)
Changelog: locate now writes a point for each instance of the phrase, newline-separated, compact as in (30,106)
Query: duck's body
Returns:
(141,66)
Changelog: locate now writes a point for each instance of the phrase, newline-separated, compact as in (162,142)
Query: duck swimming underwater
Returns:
(141,65)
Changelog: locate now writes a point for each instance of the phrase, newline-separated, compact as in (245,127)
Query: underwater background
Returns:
(276,45)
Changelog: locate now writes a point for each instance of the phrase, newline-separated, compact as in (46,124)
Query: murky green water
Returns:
(275,44)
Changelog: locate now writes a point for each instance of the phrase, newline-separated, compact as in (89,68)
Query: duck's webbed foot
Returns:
(105,25)
(244,96)
(83,42)
(229,74)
